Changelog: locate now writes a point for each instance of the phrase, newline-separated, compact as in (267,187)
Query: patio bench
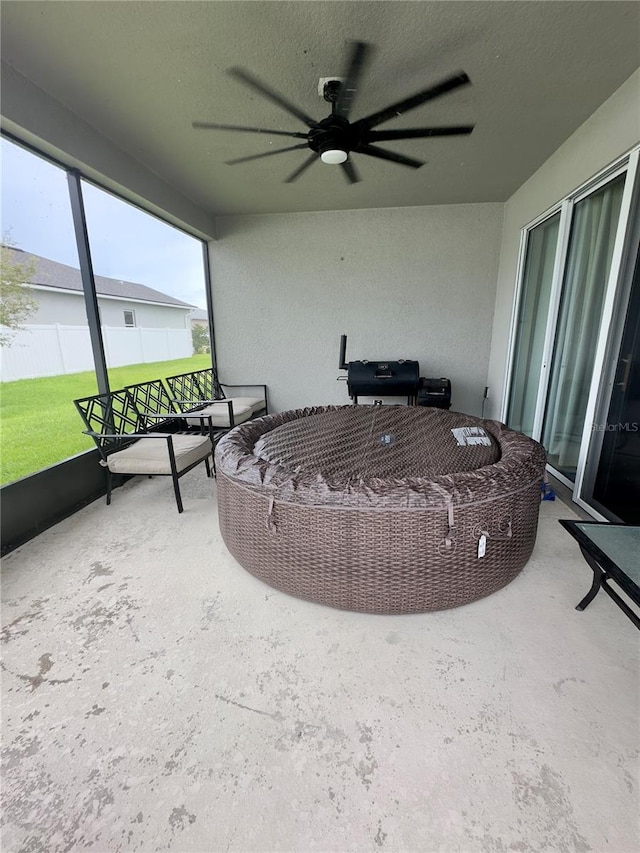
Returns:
(134,436)
(203,391)
(154,402)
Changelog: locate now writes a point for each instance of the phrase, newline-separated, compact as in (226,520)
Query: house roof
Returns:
(139,74)
(60,276)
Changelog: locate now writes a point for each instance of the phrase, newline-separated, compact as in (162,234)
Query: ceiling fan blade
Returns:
(296,174)
(350,171)
(414,101)
(271,94)
(206,125)
(419,132)
(264,154)
(360,52)
(383,154)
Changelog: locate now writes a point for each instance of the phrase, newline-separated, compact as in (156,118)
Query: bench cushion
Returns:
(151,455)
(220,414)
(254,403)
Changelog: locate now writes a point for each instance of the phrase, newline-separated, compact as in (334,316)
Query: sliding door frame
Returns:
(599,391)
(517,302)
(566,215)
(616,293)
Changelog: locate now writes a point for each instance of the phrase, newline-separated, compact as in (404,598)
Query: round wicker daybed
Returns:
(383,509)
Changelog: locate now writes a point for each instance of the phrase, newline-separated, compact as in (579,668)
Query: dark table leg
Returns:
(598,577)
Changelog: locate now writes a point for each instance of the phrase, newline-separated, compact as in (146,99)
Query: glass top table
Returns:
(613,553)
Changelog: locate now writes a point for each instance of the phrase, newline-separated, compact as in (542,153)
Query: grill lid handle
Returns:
(342,364)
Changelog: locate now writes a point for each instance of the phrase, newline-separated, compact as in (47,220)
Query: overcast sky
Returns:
(125,242)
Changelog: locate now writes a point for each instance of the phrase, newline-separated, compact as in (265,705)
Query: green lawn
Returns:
(39,424)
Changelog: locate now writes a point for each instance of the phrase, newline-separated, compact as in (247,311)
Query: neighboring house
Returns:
(139,324)
(199,317)
(200,335)
(58,289)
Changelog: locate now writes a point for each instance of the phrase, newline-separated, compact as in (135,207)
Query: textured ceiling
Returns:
(141,72)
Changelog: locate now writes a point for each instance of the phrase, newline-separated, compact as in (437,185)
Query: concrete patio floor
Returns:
(158,697)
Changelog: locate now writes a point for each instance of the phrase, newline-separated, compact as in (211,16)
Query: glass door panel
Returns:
(591,242)
(532,317)
(617,484)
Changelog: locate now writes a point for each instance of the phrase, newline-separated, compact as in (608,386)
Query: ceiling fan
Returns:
(334,138)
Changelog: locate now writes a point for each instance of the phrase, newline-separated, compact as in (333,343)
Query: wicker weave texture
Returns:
(378,556)
(380,442)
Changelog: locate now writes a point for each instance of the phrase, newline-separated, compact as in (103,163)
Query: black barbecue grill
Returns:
(435,393)
(380,378)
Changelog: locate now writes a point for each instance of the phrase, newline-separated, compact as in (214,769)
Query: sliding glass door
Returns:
(562,351)
(531,323)
(617,480)
(593,232)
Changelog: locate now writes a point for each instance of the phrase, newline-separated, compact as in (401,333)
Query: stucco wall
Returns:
(414,282)
(608,133)
(68,309)
(147,316)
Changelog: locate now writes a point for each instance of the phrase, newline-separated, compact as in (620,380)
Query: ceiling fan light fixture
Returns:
(334,156)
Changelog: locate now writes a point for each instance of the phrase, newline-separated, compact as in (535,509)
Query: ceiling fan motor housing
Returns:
(333,133)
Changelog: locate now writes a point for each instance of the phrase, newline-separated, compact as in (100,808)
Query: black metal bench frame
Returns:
(202,387)
(117,419)
(154,402)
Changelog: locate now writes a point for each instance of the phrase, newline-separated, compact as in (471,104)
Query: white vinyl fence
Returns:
(53,350)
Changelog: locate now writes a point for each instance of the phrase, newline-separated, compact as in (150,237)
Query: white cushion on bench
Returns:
(151,455)
(254,403)
(220,414)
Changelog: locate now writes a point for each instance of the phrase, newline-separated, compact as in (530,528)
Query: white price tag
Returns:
(468,436)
